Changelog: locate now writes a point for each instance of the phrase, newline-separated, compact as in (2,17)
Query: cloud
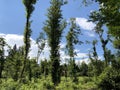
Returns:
(13,39)
(80,57)
(84,24)
(86,60)
(90,33)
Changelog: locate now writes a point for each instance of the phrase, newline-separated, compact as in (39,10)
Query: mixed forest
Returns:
(20,72)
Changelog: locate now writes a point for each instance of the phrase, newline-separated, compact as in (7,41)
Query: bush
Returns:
(48,85)
(110,79)
(9,85)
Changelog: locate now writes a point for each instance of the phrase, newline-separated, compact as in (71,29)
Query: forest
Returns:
(20,72)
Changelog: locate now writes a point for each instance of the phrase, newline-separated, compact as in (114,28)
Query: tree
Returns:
(41,41)
(97,18)
(64,70)
(44,67)
(14,62)
(27,32)
(110,79)
(110,12)
(72,39)
(95,62)
(2,56)
(54,27)
(83,69)
(109,15)
(35,68)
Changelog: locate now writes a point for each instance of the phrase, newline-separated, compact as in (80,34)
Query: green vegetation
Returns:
(54,27)
(19,72)
(84,83)
(27,33)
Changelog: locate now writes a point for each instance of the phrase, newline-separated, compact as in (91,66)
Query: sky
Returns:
(12,23)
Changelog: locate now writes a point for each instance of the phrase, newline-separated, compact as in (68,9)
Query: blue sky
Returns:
(12,21)
(12,14)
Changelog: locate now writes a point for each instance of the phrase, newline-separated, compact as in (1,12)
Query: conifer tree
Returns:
(54,27)
(14,62)
(2,57)
(27,32)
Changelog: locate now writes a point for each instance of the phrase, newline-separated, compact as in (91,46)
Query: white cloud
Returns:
(79,57)
(84,24)
(90,33)
(13,39)
(86,60)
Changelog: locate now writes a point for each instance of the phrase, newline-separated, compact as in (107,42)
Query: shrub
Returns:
(110,79)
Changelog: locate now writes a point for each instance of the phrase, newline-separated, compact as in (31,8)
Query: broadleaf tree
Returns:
(29,6)
(54,27)
(72,40)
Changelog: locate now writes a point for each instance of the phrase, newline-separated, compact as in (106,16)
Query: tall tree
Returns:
(27,32)
(110,12)
(54,27)
(109,16)
(2,57)
(101,32)
(72,39)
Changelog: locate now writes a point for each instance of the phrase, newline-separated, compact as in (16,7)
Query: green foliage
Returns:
(72,67)
(33,76)
(84,83)
(14,62)
(27,33)
(95,63)
(29,7)
(110,79)
(39,84)
(97,18)
(35,69)
(45,67)
(83,69)
(110,15)
(72,39)
(2,57)
(54,27)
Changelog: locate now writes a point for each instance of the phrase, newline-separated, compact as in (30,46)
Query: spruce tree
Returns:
(27,32)
(54,27)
